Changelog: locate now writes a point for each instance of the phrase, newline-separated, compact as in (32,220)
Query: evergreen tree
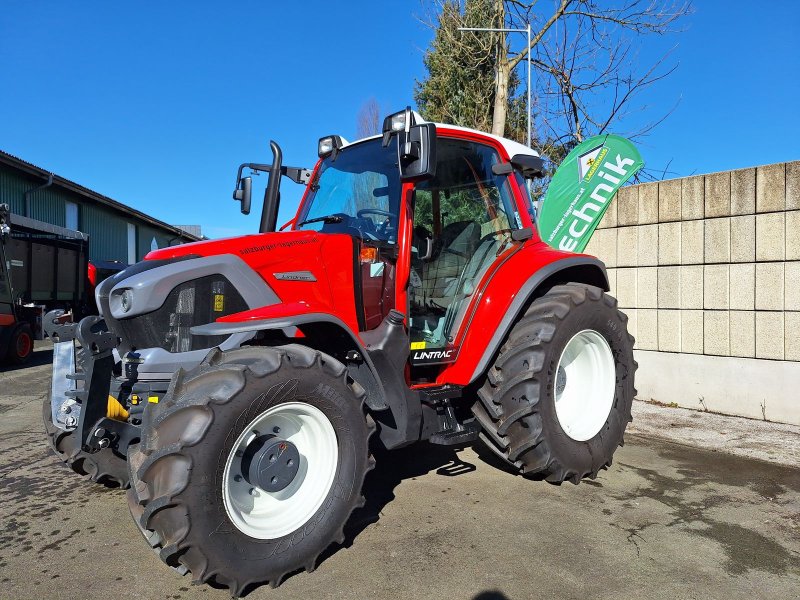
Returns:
(460,87)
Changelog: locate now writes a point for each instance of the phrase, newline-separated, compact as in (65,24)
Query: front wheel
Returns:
(556,402)
(251,465)
(106,467)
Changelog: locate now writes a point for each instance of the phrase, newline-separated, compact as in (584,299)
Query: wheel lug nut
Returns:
(276,429)
(253,492)
(237,477)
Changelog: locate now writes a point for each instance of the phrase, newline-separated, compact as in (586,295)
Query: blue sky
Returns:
(155,104)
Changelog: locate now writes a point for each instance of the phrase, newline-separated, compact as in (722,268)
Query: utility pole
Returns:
(527,30)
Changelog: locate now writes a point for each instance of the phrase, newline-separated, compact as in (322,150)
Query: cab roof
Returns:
(511,147)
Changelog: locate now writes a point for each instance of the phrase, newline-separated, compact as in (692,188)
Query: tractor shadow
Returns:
(391,469)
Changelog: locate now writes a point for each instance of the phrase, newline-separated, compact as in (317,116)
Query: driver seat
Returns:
(442,272)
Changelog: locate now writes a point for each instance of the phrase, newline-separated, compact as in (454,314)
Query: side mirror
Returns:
(243,192)
(416,151)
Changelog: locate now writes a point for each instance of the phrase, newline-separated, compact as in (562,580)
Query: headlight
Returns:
(126,300)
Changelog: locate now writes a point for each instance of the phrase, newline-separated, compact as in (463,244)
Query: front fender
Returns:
(378,366)
(287,316)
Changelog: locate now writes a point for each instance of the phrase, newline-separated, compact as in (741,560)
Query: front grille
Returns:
(194,302)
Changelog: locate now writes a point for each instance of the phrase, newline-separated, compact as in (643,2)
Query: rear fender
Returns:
(504,294)
(578,269)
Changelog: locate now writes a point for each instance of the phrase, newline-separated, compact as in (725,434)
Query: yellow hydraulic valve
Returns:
(116,410)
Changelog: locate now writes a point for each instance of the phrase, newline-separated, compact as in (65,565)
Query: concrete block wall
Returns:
(709,266)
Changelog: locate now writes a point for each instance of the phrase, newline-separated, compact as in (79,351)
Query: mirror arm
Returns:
(297,174)
(239,173)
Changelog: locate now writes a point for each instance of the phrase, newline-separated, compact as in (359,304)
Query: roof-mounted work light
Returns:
(330,144)
(399,121)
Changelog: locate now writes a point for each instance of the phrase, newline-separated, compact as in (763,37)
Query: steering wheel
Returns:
(376,211)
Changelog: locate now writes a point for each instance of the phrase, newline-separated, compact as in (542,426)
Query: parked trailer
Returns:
(43,267)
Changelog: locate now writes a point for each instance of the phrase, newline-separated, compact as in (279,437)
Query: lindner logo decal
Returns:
(434,356)
(295,276)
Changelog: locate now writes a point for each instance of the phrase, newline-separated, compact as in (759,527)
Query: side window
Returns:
(462,221)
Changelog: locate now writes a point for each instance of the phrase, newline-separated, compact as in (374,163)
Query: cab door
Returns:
(462,223)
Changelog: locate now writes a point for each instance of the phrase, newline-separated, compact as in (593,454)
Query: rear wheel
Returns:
(21,345)
(251,465)
(556,402)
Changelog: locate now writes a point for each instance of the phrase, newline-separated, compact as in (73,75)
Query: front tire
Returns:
(198,499)
(105,467)
(556,402)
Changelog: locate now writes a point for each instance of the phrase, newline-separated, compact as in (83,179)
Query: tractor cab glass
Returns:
(357,192)
(463,218)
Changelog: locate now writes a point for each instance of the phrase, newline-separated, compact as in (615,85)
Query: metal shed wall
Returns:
(107,228)
(108,233)
(145,236)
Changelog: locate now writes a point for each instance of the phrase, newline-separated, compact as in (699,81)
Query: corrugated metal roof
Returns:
(24,165)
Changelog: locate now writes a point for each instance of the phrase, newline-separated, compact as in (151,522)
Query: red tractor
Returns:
(238,386)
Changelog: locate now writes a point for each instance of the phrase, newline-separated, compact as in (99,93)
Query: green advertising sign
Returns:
(582,189)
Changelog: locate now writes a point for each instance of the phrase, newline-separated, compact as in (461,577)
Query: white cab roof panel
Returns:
(510,146)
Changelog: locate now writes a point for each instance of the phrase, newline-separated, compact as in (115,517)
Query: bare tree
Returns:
(368,121)
(584,55)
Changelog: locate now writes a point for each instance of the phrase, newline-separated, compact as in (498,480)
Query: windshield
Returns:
(359,190)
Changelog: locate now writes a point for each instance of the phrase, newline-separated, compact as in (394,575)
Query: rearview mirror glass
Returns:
(243,193)
(416,152)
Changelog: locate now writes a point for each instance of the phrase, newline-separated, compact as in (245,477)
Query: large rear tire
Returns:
(20,347)
(190,479)
(104,467)
(556,402)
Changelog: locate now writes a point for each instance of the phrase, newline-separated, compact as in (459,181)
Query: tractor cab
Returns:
(430,208)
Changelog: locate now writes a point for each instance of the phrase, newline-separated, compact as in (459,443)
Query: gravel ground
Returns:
(666,521)
(773,442)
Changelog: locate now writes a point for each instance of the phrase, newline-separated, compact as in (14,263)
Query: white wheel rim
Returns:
(585,385)
(270,515)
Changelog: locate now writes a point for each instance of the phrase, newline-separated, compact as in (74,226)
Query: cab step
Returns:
(462,434)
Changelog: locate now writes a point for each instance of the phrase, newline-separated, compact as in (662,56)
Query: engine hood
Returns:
(300,266)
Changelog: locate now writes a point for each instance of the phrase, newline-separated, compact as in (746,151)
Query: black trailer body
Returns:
(43,267)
